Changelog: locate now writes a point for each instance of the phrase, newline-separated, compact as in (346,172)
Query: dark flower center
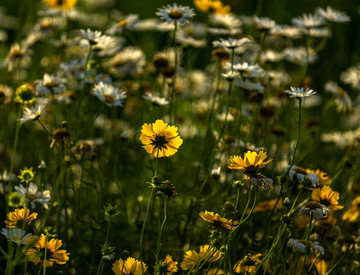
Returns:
(159,142)
(325,202)
(175,14)
(249,262)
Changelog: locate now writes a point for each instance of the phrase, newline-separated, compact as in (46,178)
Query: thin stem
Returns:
(44,127)
(174,76)
(307,243)
(45,252)
(160,229)
(143,228)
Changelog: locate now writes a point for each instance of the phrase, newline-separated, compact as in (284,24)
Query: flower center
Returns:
(51,84)
(249,262)
(122,23)
(109,99)
(159,142)
(17,54)
(32,197)
(175,14)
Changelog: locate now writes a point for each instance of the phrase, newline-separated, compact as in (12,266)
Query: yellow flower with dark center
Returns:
(16,218)
(15,199)
(53,254)
(327,197)
(206,253)
(60,4)
(26,174)
(218,221)
(168,266)
(160,139)
(324,178)
(130,266)
(251,162)
(248,264)
(212,6)
(353,212)
(263,206)
(321,266)
(25,94)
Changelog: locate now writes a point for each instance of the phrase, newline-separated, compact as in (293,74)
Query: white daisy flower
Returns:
(331,15)
(109,94)
(264,23)
(298,174)
(230,75)
(352,77)
(155,100)
(16,235)
(35,112)
(32,195)
(231,43)
(299,93)
(229,21)
(319,211)
(343,101)
(300,246)
(92,36)
(129,61)
(125,22)
(248,70)
(175,13)
(49,85)
(308,21)
(250,85)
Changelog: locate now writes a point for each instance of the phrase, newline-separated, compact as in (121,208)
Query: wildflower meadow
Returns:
(190,137)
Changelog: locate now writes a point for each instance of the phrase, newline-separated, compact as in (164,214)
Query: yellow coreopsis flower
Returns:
(248,264)
(353,212)
(324,178)
(160,139)
(212,6)
(251,162)
(53,254)
(327,197)
(16,218)
(168,266)
(60,4)
(218,221)
(206,254)
(130,266)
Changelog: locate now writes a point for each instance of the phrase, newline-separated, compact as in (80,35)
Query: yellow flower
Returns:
(26,174)
(327,197)
(263,206)
(218,221)
(248,264)
(25,94)
(168,266)
(324,178)
(160,139)
(15,199)
(53,254)
(15,218)
(321,266)
(60,4)
(206,253)
(130,266)
(251,162)
(212,6)
(354,212)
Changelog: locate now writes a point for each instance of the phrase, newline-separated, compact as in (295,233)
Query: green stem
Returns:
(44,127)
(143,228)
(160,230)
(45,252)
(174,76)
(307,243)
